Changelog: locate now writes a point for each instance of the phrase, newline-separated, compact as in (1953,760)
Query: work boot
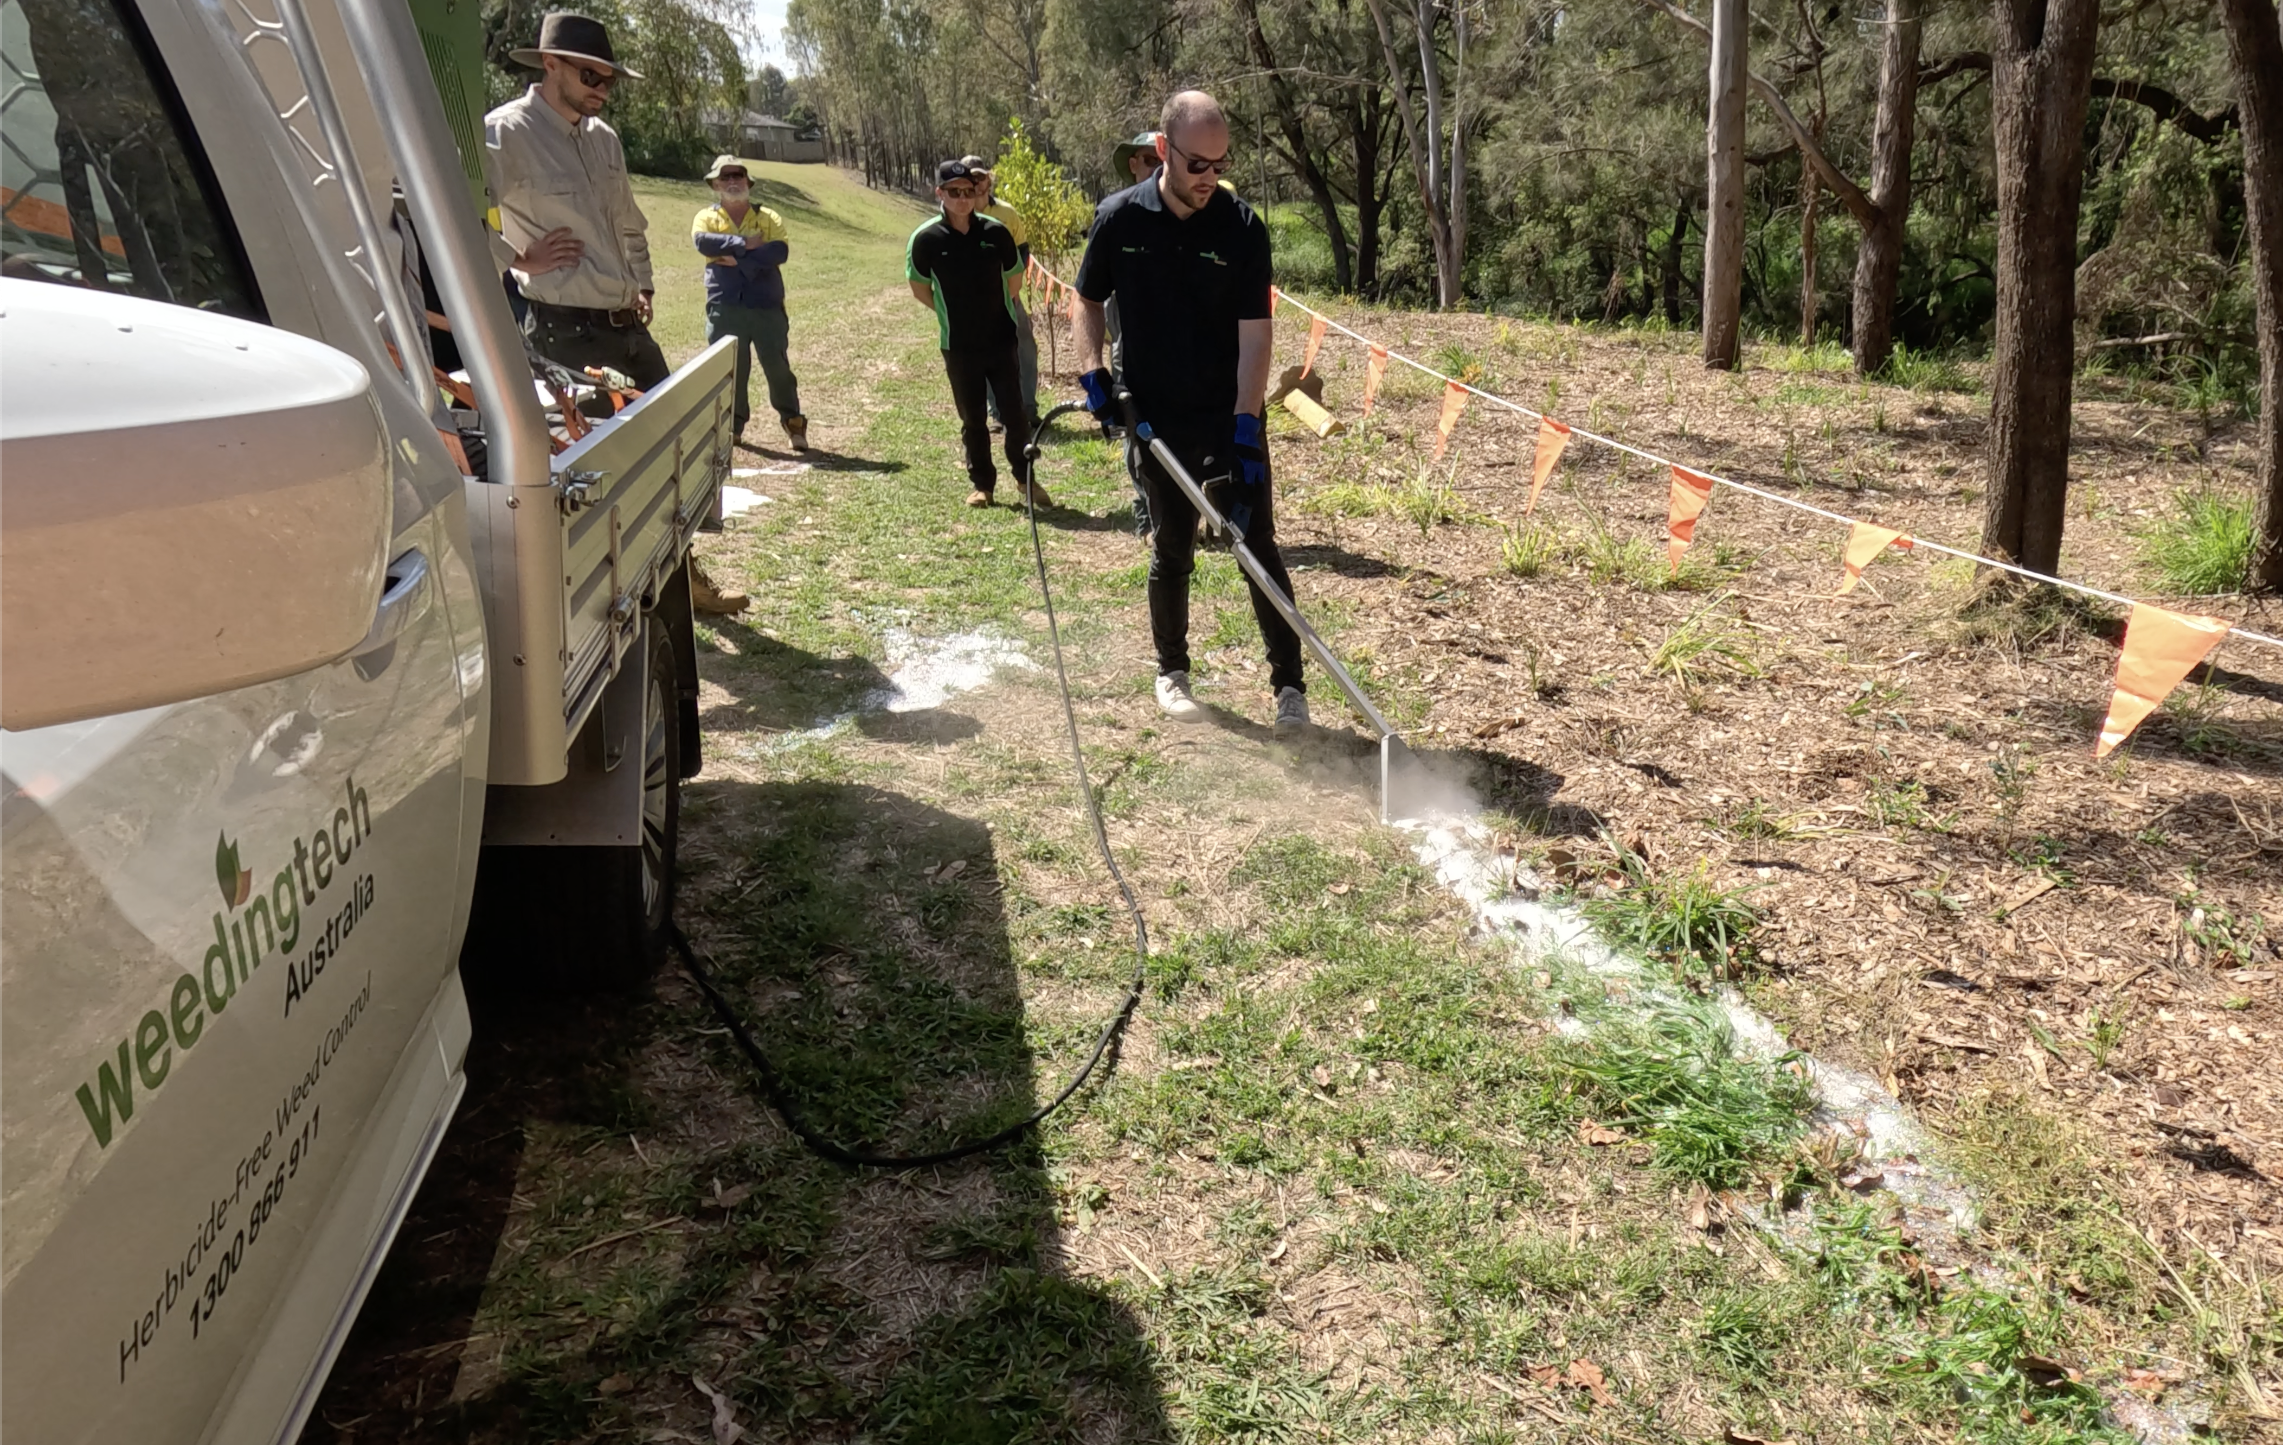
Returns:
(1291,712)
(1174,700)
(797,432)
(978,498)
(711,600)
(1036,496)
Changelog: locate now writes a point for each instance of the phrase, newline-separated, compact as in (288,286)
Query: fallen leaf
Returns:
(1322,1076)
(1699,1208)
(1277,1253)
(2051,1374)
(1587,1376)
(2035,1057)
(2146,1382)
(1546,1374)
(1862,1178)
(727,1199)
(1340,887)
(951,870)
(1734,1436)
(1565,865)
(615,1385)
(2026,897)
(1588,1132)
(726,1430)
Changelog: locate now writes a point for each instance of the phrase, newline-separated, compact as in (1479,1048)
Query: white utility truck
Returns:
(306,674)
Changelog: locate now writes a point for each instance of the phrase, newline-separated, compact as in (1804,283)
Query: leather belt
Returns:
(616,320)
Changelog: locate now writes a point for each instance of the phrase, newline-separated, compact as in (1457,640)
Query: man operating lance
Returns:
(1188,264)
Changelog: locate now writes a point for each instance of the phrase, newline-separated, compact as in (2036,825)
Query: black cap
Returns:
(953,171)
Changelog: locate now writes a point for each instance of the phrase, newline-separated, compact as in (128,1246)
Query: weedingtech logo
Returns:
(251,925)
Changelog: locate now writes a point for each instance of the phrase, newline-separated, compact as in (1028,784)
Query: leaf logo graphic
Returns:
(237,883)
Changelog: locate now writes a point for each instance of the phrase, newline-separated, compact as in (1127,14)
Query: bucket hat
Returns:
(1126,151)
(574,37)
(723,163)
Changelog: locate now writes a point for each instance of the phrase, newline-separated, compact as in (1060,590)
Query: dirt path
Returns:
(1358,1173)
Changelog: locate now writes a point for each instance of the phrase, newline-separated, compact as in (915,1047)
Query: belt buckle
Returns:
(619,319)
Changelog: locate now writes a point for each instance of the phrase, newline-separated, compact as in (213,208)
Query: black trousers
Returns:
(973,374)
(578,339)
(1173,555)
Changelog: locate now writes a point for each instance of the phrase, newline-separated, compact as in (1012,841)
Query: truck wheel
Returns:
(594,918)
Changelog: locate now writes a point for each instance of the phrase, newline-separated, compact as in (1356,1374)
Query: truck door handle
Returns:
(401,601)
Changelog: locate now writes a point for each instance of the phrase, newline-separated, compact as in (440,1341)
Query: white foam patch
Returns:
(928,671)
(1508,904)
(737,501)
(923,673)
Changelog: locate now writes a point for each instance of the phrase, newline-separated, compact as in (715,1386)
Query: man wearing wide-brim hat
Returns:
(566,209)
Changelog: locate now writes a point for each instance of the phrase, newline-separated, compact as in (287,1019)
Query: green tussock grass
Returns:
(2204,546)
(1681,919)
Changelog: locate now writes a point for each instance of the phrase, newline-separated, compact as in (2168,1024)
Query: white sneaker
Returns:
(1174,700)
(1291,712)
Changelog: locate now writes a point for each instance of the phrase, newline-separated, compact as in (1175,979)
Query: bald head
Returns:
(1192,110)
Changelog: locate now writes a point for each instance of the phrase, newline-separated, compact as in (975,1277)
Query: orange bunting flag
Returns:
(1372,372)
(1691,490)
(1552,437)
(1073,304)
(1454,401)
(1275,296)
(1864,543)
(2160,649)
(1316,330)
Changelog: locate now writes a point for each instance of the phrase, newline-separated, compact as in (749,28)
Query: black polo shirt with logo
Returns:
(968,271)
(1182,286)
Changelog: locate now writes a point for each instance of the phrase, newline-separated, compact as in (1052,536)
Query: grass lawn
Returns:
(1357,1173)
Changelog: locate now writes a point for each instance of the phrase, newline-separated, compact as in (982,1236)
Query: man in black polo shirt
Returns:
(965,266)
(1188,264)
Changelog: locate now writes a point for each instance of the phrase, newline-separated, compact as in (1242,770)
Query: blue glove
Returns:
(1099,401)
(1248,474)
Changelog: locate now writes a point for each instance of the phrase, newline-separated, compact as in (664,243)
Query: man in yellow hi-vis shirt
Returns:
(745,247)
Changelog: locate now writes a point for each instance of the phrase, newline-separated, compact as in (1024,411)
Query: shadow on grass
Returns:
(777,687)
(556,1283)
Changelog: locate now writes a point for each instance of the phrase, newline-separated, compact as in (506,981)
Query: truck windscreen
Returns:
(101,184)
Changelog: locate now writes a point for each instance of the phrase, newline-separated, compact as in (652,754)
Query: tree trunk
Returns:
(1672,263)
(1363,123)
(2040,85)
(1302,157)
(1809,192)
(2255,45)
(1426,168)
(1724,188)
(1878,264)
(1457,190)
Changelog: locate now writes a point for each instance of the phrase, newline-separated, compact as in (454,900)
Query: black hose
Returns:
(773,1084)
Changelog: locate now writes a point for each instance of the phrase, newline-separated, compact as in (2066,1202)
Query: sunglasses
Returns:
(958,193)
(597,79)
(734,176)
(1198,165)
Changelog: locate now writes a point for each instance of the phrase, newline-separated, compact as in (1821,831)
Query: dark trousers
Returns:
(1173,556)
(973,373)
(761,331)
(578,338)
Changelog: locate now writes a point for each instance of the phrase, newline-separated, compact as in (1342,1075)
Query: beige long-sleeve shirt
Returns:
(546,173)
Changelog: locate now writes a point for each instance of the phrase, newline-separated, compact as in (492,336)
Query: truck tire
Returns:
(591,919)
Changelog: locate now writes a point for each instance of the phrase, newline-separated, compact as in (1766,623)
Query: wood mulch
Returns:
(1961,900)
